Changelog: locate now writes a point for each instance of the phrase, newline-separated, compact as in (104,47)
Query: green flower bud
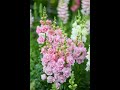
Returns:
(70,86)
(75,85)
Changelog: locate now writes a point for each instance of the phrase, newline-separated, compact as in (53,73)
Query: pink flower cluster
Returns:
(59,53)
(76,5)
(41,30)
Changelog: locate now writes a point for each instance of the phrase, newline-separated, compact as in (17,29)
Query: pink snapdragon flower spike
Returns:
(85,7)
(63,10)
(59,53)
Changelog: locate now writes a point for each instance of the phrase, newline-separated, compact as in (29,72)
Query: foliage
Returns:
(72,85)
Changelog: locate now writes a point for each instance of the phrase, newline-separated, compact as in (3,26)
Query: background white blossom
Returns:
(31,18)
(88,57)
(80,31)
(85,7)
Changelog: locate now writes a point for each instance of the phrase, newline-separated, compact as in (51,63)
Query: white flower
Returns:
(88,57)
(43,76)
(66,1)
(84,38)
(84,32)
(88,66)
(31,19)
(74,24)
(77,30)
(42,34)
(88,26)
(88,54)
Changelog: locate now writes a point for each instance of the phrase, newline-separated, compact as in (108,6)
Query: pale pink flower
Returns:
(66,72)
(44,59)
(42,22)
(38,30)
(69,41)
(70,60)
(43,76)
(50,32)
(48,22)
(58,32)
(43,50)
(57,85)
(51,51)
(79,54)
(83,53)
(45,28)
(57,69)
(47,56)
(79,61)
(62,40)
(51,64)
(76,52)
(44,67)
(62,79)
(55,57)
(61,54)
(48,71)
(74,7)
(56,74)
(50,79)
(41,40)
(60,62)
(68,65)
(57,38)
(50,38)
(44,62)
